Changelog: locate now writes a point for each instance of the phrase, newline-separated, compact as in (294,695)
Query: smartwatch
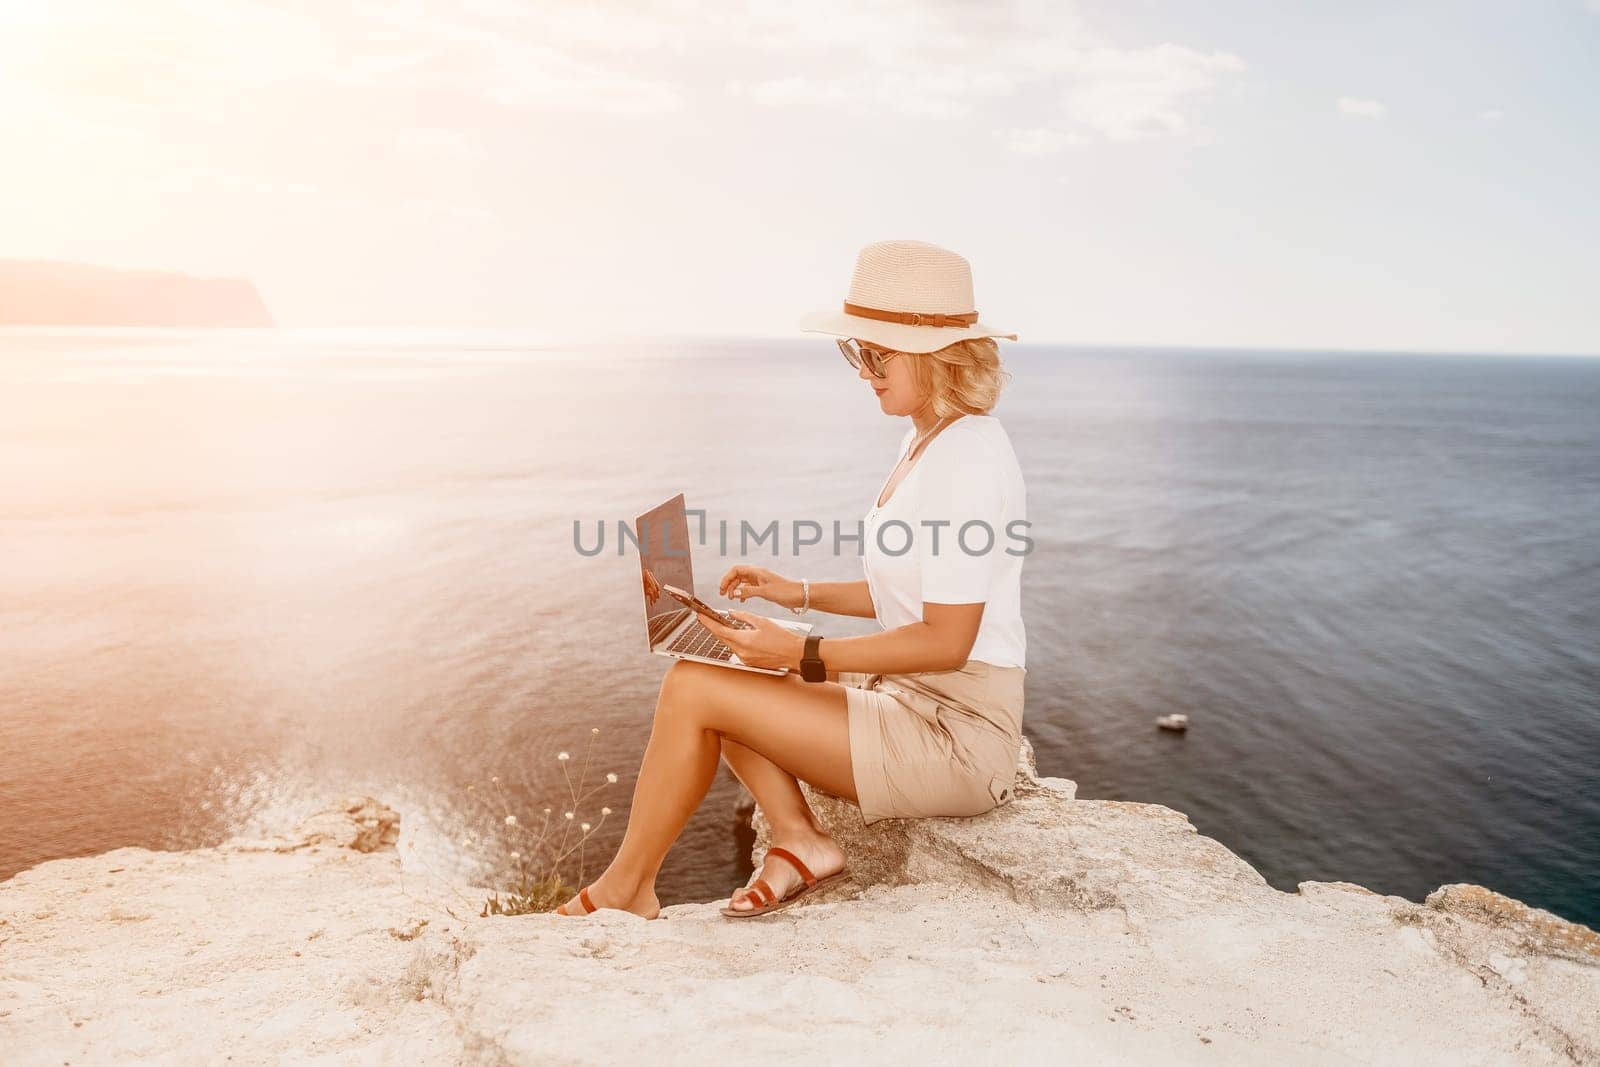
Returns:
(811,668)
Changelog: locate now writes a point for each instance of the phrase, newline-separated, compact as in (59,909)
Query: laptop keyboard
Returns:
(696,640)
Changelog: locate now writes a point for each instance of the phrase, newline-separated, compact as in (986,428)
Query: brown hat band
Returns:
(910,318)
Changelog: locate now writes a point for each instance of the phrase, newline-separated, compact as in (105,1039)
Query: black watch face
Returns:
(811,668)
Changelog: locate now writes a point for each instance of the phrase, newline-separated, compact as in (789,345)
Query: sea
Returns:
(243,573)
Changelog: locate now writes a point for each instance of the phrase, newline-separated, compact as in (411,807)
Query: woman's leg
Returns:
(790,821)
(775,789)
(801,727)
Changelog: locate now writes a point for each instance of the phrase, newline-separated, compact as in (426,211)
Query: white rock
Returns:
(1050,930)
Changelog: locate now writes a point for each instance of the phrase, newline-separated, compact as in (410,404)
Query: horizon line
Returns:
(535,337)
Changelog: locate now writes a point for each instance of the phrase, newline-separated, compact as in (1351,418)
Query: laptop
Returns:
(672,629)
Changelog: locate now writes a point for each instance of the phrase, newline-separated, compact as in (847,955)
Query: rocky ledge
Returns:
(1049,929)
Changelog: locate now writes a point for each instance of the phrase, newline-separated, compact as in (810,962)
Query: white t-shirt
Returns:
(954,533)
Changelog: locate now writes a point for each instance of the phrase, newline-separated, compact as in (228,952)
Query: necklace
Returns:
(931,431)
(892,484)
(916,444)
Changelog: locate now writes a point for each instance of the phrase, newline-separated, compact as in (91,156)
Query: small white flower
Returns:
(567,814)
(547,811)
(585,827)
(511,820)
(516,855)
(472,789)
(594,729)
(466,842)
(494,778)
(611,778)
(562,756)
(605,811)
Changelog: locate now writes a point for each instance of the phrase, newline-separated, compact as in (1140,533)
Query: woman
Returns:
(923,718)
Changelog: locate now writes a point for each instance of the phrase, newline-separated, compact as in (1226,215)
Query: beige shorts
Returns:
(935,743)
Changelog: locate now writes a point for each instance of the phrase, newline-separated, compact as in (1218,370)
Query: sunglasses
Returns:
(859,355)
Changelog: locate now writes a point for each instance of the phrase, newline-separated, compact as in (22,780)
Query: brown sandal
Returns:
(590,907)
(583,898)
(767,900)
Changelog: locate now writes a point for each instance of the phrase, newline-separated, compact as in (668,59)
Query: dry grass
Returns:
(539,860)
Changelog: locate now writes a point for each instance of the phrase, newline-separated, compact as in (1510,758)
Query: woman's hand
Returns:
(767,645)
(743,582)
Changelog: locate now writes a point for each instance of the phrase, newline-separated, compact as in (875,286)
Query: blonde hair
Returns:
(963,378)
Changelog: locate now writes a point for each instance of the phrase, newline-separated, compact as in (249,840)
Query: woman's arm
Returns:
(940,642)
(836,598)
(843,598)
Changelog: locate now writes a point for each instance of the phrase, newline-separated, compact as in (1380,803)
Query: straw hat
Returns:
(909,296)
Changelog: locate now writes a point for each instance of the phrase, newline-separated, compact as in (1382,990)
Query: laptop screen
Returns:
(663,534)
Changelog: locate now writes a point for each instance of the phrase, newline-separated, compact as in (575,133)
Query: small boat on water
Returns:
(1177,722)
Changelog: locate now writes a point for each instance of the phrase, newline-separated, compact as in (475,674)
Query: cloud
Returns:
(928,93)
(1039,142)
(193,181)
(465,213)
(617,27)
(1132,94)
(941,60)
(534,77)
(434,142)
(954,60)
(189,180)
(519,57)
(1367,109)
(782,92)
(190,54)
(161,48)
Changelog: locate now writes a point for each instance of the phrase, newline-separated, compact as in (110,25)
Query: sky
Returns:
(1356,175)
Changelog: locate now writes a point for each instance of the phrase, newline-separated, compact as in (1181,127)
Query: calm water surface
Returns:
(241,572)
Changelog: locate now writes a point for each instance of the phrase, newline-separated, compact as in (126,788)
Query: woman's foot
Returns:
(602,894)
(816,850)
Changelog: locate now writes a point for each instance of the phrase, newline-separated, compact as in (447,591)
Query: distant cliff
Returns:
(38,293)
